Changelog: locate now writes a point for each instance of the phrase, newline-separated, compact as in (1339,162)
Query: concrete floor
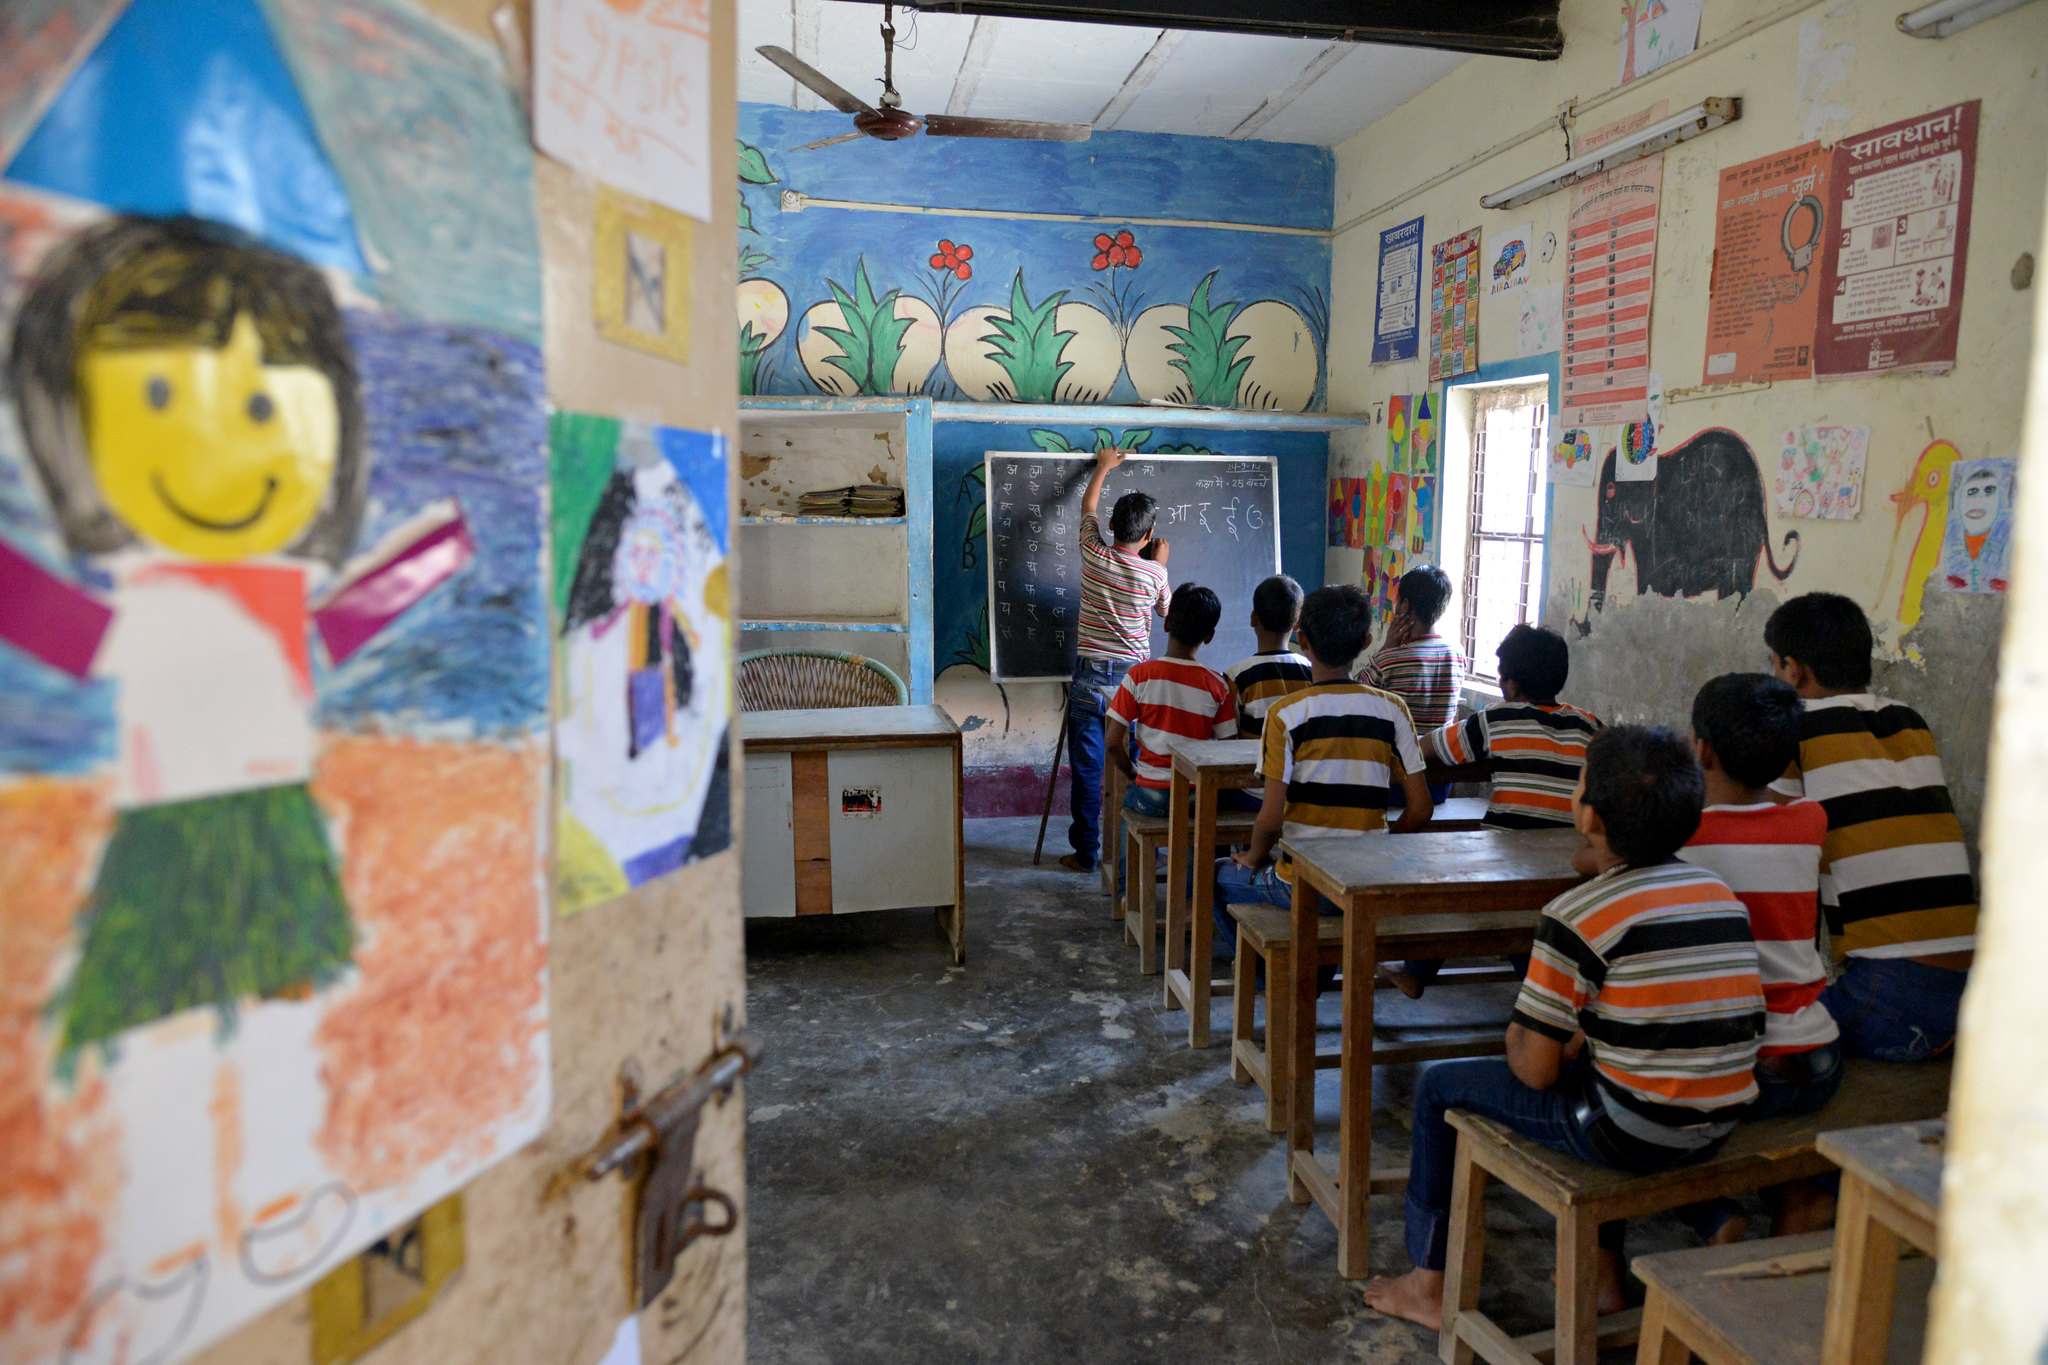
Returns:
(1022,1160)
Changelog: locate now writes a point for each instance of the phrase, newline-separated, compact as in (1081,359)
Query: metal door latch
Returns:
(658,1139)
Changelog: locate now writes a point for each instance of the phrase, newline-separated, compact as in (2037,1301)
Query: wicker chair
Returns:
(802,679)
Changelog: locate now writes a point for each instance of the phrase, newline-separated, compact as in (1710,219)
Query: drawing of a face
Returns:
(208,451)
(650,565)
(1982,497)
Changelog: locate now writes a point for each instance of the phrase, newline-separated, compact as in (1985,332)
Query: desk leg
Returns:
(1177,853)
(1861,1282)
(1354,1136)
(1300,1044)
(1202,967)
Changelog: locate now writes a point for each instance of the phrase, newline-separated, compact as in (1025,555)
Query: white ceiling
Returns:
(1209,84)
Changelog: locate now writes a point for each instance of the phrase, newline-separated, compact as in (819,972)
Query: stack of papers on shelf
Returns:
(855,500)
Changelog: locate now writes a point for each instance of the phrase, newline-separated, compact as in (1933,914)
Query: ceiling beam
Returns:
(805,18)
(1502,28)
(1140,76)
(1310,74)
(981,45)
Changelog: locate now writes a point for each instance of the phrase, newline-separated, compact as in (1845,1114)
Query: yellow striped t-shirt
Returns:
(1337,746)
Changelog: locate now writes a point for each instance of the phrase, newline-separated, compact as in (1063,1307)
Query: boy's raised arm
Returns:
(1091,497)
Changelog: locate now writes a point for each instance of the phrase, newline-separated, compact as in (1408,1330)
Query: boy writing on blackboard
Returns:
(1123,586)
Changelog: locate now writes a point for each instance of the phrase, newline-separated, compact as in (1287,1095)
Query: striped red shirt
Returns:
(1120,593)
(1166,699)
(1769,855)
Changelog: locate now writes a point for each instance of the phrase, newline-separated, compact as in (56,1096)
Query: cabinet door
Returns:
(768,850)
(895,829)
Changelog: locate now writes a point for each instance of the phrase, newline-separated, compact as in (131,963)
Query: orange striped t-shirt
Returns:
(1536,753)
(1165,699)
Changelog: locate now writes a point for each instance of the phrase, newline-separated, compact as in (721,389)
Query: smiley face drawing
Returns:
(190,401)
(1977,548)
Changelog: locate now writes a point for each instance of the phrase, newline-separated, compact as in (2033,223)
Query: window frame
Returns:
(1531,538)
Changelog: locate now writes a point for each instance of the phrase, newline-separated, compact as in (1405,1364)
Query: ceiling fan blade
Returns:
(948,125)
(816,81)
(853,136)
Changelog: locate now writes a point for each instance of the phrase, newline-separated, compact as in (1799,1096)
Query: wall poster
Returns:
(1397,311)
(1976,551)
(1820,473)
(1900,205)
(1610,266)
(1454,295)
(1771,227)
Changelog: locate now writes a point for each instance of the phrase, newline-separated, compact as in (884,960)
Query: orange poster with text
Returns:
(1770,229)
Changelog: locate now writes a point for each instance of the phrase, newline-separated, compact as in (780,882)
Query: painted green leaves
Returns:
(1204,352)
(1047,439)
(871,342)
(753,171)
(1028,343)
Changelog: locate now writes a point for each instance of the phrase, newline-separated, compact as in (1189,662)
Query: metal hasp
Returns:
(659,1136)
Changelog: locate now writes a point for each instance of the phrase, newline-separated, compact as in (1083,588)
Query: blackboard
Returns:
(1221,515)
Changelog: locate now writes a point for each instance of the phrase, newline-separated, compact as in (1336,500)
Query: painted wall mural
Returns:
(998,309)
(274,677)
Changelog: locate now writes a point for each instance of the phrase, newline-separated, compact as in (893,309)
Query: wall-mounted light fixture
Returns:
(1707,114)
(1944,17)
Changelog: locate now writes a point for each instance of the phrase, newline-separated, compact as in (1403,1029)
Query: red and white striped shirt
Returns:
(1769,855)
(1120,593)
(1164,699)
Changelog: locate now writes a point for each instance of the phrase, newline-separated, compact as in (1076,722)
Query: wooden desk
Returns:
(854,808)
(1206,767)
(1371,877)
(1891,1193)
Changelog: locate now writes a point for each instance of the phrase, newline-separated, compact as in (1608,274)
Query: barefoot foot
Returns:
(1405,981)
(1416,1297)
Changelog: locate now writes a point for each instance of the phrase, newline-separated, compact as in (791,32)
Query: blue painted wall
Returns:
(1267,292)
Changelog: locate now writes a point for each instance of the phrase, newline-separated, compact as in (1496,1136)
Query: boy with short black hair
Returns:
(1633,1042)
(1276,669)
(1900,898)
(1328,755)
(1123,585)
(1534,747)
(1170,697)
(1414,662)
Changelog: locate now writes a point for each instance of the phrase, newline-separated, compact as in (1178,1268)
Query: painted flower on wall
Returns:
(954,258)
(1116,252)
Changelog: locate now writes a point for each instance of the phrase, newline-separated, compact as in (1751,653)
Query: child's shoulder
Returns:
(1602,907)
(1767,822)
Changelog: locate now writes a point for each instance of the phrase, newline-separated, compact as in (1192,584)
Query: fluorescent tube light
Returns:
(1710,113)
(1952,16)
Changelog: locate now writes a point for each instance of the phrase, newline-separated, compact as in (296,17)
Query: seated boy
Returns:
(1328,754)
(1633,1042)
(1415,663)
(1170,697)
(1276,670)
(1533,745)
(1900,899)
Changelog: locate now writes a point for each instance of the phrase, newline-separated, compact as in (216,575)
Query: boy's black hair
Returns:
(1752,720)
(1335,624)
(134,282)
(1132,517)
(1537,659)
(1192,614)
(1276,603)
(1828,633)
(1647,788)
(1426,590)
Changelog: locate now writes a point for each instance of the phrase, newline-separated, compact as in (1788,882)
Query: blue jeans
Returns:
(1796,1082)
(1894,1009)
(1566,1118)
(1139,801)
(1087,703)
(1239,885)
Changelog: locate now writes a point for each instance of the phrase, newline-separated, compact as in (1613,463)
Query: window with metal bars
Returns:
(1504,522)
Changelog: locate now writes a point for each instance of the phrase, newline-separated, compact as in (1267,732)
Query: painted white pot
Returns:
(1095,351)
(921,347)
(1282,349)
(1147,357)
(764,309)
(971,356)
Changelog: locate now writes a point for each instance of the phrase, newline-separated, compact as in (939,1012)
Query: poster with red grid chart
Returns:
(1610,264)
(1454,293)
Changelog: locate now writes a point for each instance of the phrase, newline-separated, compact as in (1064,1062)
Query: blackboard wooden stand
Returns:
(1052,779)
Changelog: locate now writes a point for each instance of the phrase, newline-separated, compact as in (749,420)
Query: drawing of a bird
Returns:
(1927,489)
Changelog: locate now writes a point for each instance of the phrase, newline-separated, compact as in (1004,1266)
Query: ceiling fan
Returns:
(892,122)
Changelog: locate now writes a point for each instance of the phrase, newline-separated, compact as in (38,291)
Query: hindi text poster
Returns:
(1610,265)
(1454,307)
(1397,321)
(1770,229)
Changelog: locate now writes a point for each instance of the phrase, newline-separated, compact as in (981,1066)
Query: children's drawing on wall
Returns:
(1421,514)
(1397,433)
(1820,473)
(271,573)
(1539,319)
(1698,526)
(641,594)
(1422,434)
(1926,489)
(1976,551)
(1510,253)
(1634,447)
(1571,459)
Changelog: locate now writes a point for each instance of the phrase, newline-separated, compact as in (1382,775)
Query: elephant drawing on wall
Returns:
(1697,527)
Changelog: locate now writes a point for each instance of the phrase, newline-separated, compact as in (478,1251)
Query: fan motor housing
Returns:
(888,124)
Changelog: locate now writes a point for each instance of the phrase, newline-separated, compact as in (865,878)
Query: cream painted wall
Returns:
(1826,70)
(642,980)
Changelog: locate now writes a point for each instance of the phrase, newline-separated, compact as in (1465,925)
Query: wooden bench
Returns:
(1265,933)
(1763,1303)
(1138,905)
(1582,1197)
